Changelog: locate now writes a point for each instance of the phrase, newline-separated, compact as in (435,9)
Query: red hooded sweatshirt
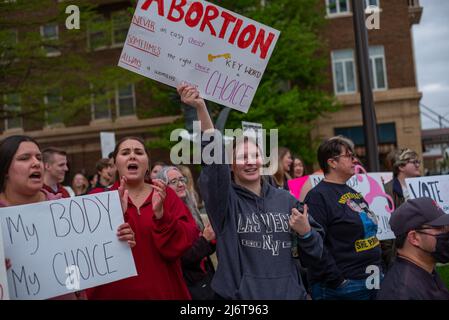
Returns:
(159,246)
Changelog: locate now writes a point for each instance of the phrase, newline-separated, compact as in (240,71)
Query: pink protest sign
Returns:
(295,186)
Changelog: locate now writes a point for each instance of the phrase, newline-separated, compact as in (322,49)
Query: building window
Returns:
(50,35)
(343,71)
(337,6)
(372,3)
(8,42)
(126,102)
(98,36)
(120,25)
(53,110)
(378,68)
(106,32)
(12,111)
(386,133)
(100,105)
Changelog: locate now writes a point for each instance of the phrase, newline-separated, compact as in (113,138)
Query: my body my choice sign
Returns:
(61,246)
(221,53)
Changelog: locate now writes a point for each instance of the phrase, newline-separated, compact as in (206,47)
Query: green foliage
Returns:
(289,98)
(290,95)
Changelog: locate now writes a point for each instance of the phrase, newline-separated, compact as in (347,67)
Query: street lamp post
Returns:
(366,93)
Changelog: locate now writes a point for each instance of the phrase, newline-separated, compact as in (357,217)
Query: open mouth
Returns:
(36,176)
(132,167)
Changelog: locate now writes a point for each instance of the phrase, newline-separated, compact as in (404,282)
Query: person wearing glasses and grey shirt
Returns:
(197,266)
(351,247)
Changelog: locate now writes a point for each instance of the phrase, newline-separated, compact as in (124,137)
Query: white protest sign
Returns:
(371,187)
(435,187)
(221,53)
(61,246)
(4,295)
(107,143)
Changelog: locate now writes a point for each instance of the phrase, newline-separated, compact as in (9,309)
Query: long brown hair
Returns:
(280,175)
(117,148)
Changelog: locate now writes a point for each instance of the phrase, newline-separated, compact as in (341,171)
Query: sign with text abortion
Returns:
(221,53)
(61,246)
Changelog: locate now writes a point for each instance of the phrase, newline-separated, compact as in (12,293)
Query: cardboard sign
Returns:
(4,295)
(107,143)
(61,246)
(371,187)
(435,187)
(221,53)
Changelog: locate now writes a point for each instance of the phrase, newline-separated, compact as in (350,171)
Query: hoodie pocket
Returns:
(270,288)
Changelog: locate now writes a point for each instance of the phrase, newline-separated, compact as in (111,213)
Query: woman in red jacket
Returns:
(164,231)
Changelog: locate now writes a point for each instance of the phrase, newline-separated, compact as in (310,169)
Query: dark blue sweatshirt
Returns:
(350,243)
(254,240)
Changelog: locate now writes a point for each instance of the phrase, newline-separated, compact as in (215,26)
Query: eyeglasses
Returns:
(349,155)
(415,162)
(178,180)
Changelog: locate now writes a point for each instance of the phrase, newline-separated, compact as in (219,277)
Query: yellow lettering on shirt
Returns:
(366,244)
(348,196)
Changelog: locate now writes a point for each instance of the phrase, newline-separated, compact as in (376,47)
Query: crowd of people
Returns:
(240,235)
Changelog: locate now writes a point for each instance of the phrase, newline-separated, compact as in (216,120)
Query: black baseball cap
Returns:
(415,213)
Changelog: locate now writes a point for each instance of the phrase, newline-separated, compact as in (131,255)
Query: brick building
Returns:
(396,96)
(391,51)
(125,111)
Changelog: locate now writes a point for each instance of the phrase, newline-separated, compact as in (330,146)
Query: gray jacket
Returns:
(254,241)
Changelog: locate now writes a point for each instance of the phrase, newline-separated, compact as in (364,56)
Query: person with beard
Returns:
(422,239)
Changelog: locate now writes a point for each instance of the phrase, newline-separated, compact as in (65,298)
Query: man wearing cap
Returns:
(422,239)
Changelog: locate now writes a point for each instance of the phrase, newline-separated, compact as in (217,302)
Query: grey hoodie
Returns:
(254,241)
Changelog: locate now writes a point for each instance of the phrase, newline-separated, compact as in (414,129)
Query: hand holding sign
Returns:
(158,198)
(125,233)
(191,96)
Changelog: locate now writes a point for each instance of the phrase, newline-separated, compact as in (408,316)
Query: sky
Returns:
(431,43)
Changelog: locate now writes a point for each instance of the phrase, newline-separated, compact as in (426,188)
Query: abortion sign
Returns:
(61,246)
(217,51)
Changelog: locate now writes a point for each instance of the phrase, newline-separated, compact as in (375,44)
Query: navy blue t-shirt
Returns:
(407,281)
(350,243)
